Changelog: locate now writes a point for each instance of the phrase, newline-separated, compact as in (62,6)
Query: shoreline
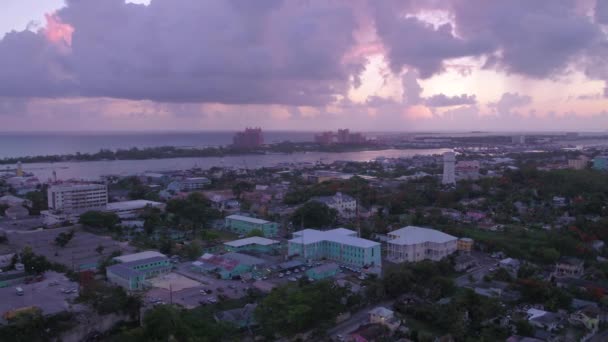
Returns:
(172,152)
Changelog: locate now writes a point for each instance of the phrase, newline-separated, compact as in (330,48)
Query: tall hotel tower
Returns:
(449,159)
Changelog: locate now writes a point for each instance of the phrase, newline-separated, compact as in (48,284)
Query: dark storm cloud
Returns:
(189,50)
(601,11)
(535,38)
(412,42)
(442,100)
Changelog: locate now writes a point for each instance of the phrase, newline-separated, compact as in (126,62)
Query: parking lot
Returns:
(48,294)
(188,293)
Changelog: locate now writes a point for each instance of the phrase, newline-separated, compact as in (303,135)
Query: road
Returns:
(355,320)
(484,262)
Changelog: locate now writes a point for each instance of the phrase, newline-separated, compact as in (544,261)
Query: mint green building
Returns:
(244,225)
(137,269)
(323,271)
(252,244)
(340,245)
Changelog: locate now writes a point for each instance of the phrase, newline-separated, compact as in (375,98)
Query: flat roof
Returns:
(70,187)
(139,256)
(339,235)
(247,219)
(412,235)
(131,205)
(254,240)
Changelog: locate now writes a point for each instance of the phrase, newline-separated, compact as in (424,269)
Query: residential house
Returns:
(252,244)
(229,265)
(345,205)
(589,317)
(569,267)
(383,316)
(324,271)
(240,317)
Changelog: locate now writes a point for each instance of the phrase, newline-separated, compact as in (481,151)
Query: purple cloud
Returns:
(535,38)
(190,51)
(508,102)
(601,11)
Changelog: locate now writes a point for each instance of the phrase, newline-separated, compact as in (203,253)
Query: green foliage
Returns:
(107,299)
(291,309)
(241,187)
(539,292)
(39,200)
(169,323)
(314,215)
(192,250)
(428,279)
(37,328)
(255,232)
(64,238)
(356,187)
(193,212)
(99,220)
(34,264)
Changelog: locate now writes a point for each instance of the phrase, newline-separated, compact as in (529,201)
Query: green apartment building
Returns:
(323,271)
(340,245)
(252,244)
(244,225)
(134,270)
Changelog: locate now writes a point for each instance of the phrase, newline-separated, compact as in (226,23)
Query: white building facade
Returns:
(345,205)
(449,161)
(77,197)
(414,244)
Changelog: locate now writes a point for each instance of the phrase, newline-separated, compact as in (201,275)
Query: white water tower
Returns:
(449,160)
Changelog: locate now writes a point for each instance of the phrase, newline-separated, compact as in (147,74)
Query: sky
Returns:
(368,65)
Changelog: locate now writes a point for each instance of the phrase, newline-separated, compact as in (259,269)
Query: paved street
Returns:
(49,298)
(485,263)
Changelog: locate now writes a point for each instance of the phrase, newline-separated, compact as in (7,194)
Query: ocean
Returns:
(20,144)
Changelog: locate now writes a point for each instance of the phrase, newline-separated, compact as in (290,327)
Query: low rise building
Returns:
(569,267)
(133,270)
(77,197)
(340,245)
(345,205)
(579,163)
(413,244)
(131,209)
(383,316)
(244,225)
(467,170)
(600,163)
(465,245)
(323,271)
(254,244)
(189,184)
(229,265)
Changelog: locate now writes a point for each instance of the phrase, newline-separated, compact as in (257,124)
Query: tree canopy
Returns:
(314,214)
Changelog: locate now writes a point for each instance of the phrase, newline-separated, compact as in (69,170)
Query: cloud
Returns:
(534,38)
(411,88)
(234,52)
(442,100)
(413,42)
(508,102)
(601,11)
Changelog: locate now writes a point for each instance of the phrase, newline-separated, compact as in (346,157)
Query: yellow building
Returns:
(465,245)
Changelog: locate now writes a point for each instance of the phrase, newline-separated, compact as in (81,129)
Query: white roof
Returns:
(247,219)
(381,311)
(412,235)
(139,256)
(340,235)
(131,205)
(254,240)
(535,313)
(70,187)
